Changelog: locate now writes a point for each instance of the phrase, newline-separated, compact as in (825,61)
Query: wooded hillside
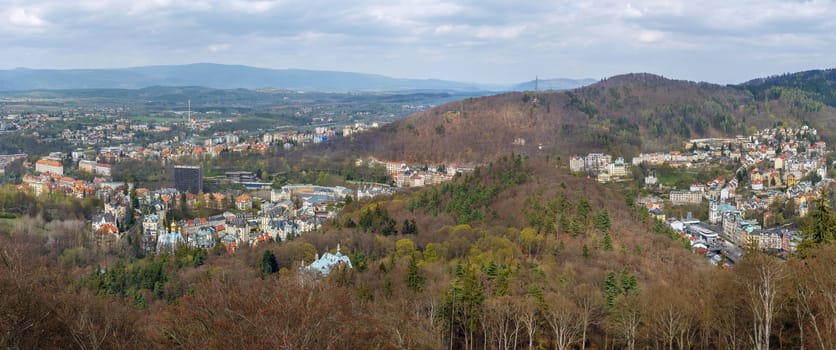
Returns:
(622,115)
(516,255)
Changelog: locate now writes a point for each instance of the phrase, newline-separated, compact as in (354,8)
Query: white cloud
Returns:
(24,17)
(311,37)
(481,32)
(254,6)
(631,12)
(218,47)
(411,12)
(650,36)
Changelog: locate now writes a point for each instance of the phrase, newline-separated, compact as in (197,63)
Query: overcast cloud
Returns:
(486,41)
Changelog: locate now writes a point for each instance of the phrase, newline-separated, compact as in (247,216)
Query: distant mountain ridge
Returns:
(220,76)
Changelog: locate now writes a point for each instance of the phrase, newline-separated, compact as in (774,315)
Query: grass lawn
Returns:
(680,176)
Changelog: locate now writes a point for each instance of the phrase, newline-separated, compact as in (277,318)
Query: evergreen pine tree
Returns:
(574,227)
(601,220)
(134,198)
(629,284)
(269,263)
(409,227)
(184,207)
(388,227)
(471,299)
(139,300)
(415,280)
(820,227)
(607,241)
(129,217)
(158,290)
(491,269)
(459,270)
(366,220)
(583,210)
(611,289)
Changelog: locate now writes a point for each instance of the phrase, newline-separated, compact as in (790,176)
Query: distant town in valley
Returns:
(772,179)
(766,182)
(381,175)
(600,217)
(249,208)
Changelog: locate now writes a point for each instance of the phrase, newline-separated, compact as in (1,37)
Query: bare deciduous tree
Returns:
(590,302)
(528,313)
(626,318)
(564,319)
(814,297)
(760,278)
(501,321)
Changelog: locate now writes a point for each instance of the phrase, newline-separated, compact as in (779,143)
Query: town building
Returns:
(617,168)
(51,166)
(685,197)
(240,176)
(88,166)
(188,178)
(244,202)
(650,180)
(103,169)
(167,242)
(328,262)
(717,210)
(576,164)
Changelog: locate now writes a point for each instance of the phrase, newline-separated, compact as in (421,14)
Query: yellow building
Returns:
(791,180)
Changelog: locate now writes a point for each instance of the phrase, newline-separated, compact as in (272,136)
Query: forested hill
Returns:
(819,84)
(622,115)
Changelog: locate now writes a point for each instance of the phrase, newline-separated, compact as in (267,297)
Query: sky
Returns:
(481,41)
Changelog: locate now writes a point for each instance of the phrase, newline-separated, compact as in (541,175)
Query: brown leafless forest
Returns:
(518,255)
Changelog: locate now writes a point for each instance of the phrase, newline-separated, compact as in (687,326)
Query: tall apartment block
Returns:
(188,178)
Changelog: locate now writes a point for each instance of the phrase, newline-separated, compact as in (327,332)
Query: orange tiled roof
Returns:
(108,228)
(48,162)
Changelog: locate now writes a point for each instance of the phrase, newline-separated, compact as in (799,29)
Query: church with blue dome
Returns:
(328,262)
